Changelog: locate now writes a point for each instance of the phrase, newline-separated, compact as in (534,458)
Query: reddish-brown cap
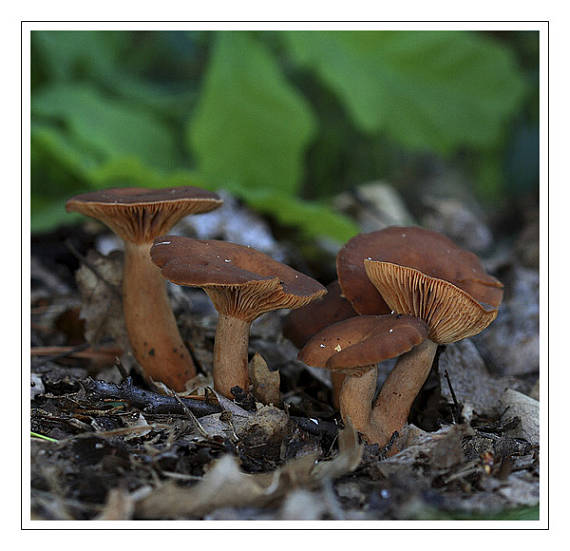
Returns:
(241,282)
(138,215)
(355,285)
(424,274)
(301,324)
(363,341)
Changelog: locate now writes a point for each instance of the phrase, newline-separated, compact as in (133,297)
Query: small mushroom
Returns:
(354,347)
(301,324)
(242,283)
(424,274)
(137,216)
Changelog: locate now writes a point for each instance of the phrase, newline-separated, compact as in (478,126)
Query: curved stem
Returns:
(151,326)
(392,407)
(355,398)
(230,355)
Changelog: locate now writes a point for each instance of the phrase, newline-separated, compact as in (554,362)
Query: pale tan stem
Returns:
(392,407)
(337,379)
(230,355)
(151,326)
(355,398)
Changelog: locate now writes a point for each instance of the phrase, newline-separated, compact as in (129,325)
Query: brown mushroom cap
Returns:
(363,341)
(138,215)
(241,282)
(301,324)
(424,274)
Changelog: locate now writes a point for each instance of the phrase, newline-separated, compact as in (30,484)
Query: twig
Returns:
(384,451)
(190,415)
(322,428)
(120,431)
(121,369)
(180,476)
(83,350)
(150,402)
(456,411)
(468,469)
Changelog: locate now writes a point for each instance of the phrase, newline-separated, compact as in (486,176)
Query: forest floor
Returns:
(105,445)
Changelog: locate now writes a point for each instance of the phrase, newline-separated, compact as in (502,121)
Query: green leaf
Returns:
(111,127)
(130,171)
(52,142)
(167,99)
(311,218)
(66,53)
(48,213)
(431,90)
(250,125)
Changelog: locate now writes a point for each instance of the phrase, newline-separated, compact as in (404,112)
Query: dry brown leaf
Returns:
(348,458)
(265,382)
(138,424)
(527,410)
(101,307)
(119,506)
(442,449)
(225,485)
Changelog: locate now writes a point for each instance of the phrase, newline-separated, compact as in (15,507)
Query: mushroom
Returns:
(301,324)
(242,283)
(423,274)
(354,347)
(137,216)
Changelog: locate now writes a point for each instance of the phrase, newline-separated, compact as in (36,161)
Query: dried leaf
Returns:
(348,458)
(138,424)
(225,485)
(302,505)
(472,384)
(265,382)
(101,306)
(441,449)
(528,410)
(36,386)
(120,506)
(231,406)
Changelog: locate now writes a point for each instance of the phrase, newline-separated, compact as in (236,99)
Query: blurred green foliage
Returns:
(282,119)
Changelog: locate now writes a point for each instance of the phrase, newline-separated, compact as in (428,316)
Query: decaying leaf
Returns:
(36,386)
(260,433)
(441,449)
(119,506)
(348,458)
(527,410)
(265,382)
(101,305)
(374,205)
(225,485)
(472,384)
(138,424)
(302,504)
(520,490)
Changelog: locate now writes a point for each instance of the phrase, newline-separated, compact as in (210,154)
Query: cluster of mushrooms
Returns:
(400,292)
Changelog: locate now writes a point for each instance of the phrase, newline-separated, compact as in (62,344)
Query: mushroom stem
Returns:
(355,398)
(337,380)
(151,326)
(230,355)
(392,407)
